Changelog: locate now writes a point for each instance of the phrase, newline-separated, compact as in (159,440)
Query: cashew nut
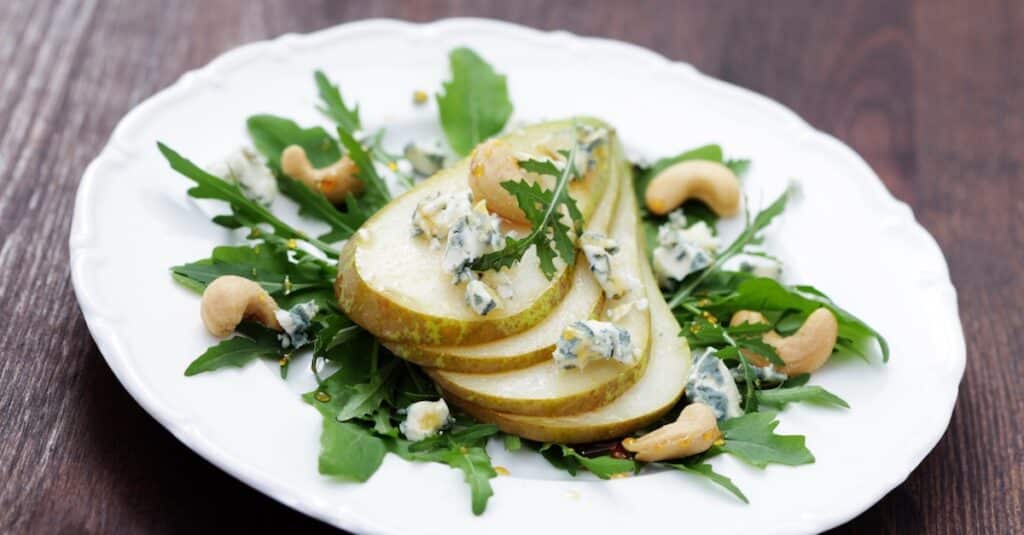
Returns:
(229,299)
(693,432)
(711,182)
(492,163)
(805,350)
(335,181)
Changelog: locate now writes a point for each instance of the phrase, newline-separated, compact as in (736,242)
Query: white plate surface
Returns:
(846,234)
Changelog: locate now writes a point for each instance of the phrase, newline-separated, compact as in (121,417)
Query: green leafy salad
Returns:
(552,219)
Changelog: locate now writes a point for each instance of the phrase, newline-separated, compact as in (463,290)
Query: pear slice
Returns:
(518,350)
(532,345)
(393,285)
(652,396)
(544,388)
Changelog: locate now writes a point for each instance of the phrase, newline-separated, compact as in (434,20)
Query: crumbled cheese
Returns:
(711,383)
(599,249)
(248,169)
(682,250)
(296,322)
(481,298)
(500,281)
(765,374)
(584,341)
(425,419)
(425,160)
(757,266)
(404,167)
(589,138)
(471,236)
(435,215)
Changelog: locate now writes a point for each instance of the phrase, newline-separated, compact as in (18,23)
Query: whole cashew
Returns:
(693,432)
(492,163)
(711,182)
(805,350)
(335,181)
(229,299)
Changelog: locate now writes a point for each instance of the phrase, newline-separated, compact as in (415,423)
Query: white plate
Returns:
(847,235)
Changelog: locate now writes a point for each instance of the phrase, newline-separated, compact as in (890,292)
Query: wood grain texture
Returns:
(931,93)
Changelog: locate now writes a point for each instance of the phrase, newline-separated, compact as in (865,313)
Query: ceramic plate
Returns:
(845,234)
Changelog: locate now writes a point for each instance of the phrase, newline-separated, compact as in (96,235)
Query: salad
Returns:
(526,284)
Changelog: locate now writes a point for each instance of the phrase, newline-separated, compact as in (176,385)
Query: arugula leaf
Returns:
(364,399)
(850,327)
(348,451)
(334,104)
(550,234)
(752,439)
(474,105)
(264,264)
(749,236)
(738,166)
(336,333)
(797,380)
(343,224)
(375,191)
(767,294)
(704,333)
(476,467)
(513,443)
(253,341)
(602,466)
(705,470)
(809,394)
(271,134)
(245,211)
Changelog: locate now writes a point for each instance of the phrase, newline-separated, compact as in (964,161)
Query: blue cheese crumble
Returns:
(598,249)
(250,172)
(425,160)
(584,341)
(711,383)
(764,374)
(435,215)
(296,322)
(468,231)
(761,267)
(472,236)
(682,250)
(480,297)
(425,419)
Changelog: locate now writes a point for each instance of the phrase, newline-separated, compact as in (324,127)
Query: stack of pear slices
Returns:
(499,367)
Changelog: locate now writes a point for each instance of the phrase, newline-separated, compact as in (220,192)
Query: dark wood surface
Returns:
(930,92)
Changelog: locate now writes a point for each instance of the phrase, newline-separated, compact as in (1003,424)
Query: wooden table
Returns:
(931,93)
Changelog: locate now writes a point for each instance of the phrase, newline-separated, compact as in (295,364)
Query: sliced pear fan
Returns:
(394,286)
(652,396)
(535,344)
(544,389)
